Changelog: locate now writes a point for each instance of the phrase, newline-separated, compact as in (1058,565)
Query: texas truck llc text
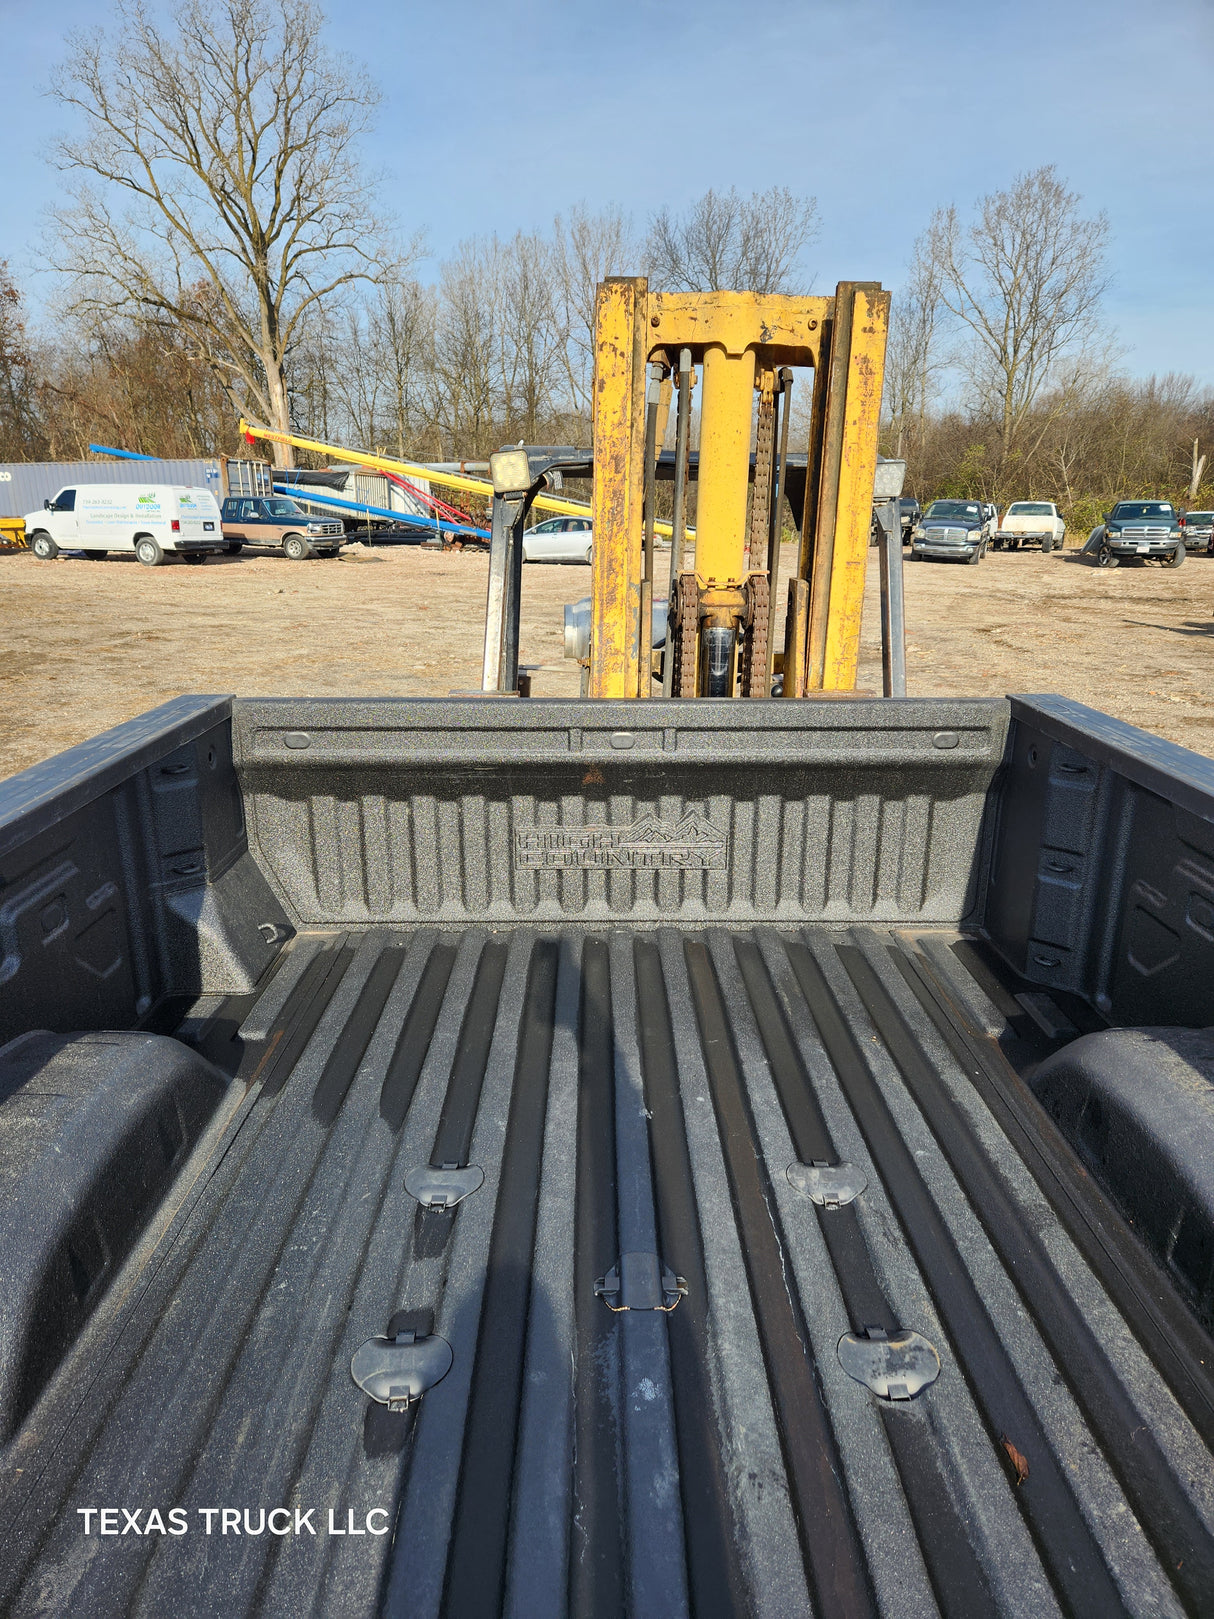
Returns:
(230,1521)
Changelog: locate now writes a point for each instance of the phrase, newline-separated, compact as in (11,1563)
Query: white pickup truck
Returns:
(1030,522)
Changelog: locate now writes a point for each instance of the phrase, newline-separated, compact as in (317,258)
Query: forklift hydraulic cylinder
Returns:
(726,413)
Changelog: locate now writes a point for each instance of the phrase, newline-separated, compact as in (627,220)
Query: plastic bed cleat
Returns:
(397,1371)
(831,1186)
(894,1368)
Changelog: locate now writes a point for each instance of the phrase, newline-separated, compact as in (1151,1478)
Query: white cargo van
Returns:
(150,519)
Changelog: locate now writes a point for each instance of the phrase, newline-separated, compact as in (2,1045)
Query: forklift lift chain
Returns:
(754,646)
(686,638)
(760,505)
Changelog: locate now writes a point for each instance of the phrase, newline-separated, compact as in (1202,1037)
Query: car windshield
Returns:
(1142,508)
(953,508)
(1200,517)
(284,508)
(1030,508)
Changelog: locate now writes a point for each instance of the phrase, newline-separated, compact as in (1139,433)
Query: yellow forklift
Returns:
(738,349)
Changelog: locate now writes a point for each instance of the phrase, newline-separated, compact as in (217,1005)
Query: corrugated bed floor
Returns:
(640,1094)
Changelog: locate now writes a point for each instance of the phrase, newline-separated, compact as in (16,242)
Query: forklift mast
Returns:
(722,610)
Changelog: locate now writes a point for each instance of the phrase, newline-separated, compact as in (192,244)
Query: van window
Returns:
(65,500)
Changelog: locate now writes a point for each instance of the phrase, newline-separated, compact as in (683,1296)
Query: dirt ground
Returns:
(84,645)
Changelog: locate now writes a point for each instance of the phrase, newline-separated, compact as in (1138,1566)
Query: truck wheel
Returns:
(1047,543)
(1105,558)
(296,548)
(234,547)
(194,556)
(43,546)
(975,559)
(148,551)
(1176,558)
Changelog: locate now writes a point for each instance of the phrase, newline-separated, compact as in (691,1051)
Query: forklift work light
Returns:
(510,472)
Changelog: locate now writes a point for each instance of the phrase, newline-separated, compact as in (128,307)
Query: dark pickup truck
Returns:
(552,1158)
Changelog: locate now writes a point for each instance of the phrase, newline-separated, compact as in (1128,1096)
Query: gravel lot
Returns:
(84,645)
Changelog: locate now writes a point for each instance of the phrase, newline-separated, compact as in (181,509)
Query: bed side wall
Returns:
(1102,878)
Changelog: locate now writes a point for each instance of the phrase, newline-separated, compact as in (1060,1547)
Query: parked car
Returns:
(1031,522)
(280,521)
(954,530)
(559,539)
(1198,531)
(911,513)
(1149,529)
(152,520)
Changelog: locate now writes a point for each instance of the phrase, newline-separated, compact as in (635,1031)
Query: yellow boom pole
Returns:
(411,469)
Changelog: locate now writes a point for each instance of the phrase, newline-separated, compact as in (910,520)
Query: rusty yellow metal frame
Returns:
(619,478)
(843,339)
(857,469)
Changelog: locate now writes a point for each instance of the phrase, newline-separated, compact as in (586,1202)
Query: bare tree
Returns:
(220,187)
(403,337)
(530,337)
(463,400)
(586,249)
(914,359)
(1196,467)
(1025,280)
(21,434)
(725,242)
(139,385)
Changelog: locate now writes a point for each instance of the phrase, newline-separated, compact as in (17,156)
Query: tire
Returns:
(234,547)
(1177,557)
(1047,544)
(296,548)
(148,551)
(589,555)
(1105,558)
(194,556)
(43,547)
(973,561)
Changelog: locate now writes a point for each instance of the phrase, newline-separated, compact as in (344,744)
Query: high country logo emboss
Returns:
(692,844)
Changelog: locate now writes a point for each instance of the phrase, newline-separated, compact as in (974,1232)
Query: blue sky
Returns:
(497,115)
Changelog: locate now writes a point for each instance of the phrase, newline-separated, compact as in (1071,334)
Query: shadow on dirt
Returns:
(1192,627)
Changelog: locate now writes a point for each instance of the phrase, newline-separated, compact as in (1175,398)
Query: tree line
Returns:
(1003,379)
(223,254)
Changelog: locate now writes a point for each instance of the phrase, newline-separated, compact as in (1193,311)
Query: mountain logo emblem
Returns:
(692,843)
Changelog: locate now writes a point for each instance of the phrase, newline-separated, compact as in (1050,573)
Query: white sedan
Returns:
(559,539)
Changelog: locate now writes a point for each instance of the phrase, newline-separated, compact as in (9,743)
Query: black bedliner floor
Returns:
(631,1094)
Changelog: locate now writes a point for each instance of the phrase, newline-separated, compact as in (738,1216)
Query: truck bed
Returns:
(692,1434)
